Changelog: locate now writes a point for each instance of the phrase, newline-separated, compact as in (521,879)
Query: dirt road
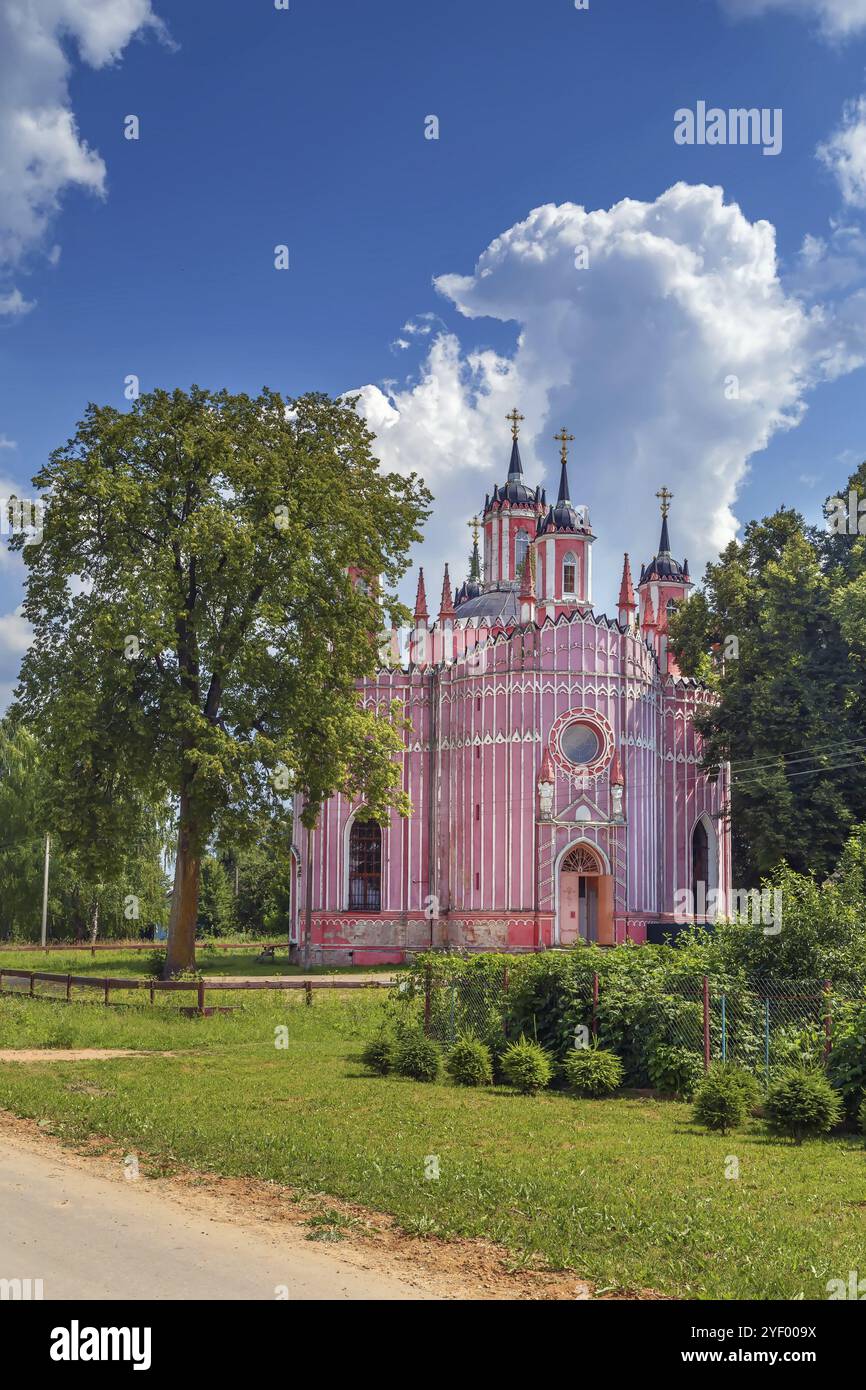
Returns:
(90,1237)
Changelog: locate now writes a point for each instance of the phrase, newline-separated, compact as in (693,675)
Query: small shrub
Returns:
(802,1103)
(674,1070)
(470,1063)
(592,1071)
(526,1066)
(846,1064)
(724,1097)
(418,1057)
(378,1054)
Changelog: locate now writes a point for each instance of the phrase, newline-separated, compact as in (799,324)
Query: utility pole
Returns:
(308,902)
(45,890)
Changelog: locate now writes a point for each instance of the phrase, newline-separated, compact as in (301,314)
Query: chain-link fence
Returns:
(680,1024)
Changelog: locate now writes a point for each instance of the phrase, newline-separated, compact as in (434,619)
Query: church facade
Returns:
(552,762)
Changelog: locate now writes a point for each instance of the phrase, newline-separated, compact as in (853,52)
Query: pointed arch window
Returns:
(521,545)
(700,868)
(569,574)
(365,866)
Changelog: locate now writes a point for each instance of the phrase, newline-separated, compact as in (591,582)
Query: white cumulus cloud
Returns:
(844,153)
(42,153)
(673,357)
(837,19)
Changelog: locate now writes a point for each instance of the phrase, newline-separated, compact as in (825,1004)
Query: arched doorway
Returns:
(580,878)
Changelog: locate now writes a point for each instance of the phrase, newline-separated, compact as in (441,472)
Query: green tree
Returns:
(116,894)
(196,631)
(766,633)
(216,899)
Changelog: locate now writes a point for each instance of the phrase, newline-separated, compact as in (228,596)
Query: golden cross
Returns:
(474,523)
(515,417)
(665,498)
(565,438)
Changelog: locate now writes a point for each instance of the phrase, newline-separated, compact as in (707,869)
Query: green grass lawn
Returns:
(131,963)
(626,1192)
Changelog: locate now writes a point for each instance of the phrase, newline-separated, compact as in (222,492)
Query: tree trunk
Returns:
(180,954)
(94,921)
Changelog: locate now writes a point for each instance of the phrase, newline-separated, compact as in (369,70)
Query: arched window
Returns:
(521,545)
(671,607)
(569,574)
(365,866)
(700,868)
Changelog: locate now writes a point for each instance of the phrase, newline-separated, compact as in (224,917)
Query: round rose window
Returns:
(580,744)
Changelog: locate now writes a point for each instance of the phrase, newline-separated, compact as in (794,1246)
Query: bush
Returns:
(593,1071)
(802,1103)
(862,1116)
(724,1097)
(378,1054)
(846,1064)
(418,1057)
(470,1063)
(526,1066)
(675,1070)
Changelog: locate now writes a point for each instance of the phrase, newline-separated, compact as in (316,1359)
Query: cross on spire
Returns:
(474,523)
(665,498)
(515,417)
(564,439)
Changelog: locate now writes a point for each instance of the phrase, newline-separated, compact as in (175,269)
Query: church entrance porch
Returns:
(585,899)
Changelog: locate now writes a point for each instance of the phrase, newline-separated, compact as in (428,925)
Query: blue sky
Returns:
(306,127)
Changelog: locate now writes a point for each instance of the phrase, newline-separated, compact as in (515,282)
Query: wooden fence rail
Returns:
(107,983)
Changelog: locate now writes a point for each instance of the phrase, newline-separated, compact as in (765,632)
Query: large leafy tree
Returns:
(116,893)
(775,630)
(196,630)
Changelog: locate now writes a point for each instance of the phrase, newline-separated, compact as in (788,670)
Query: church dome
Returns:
(663,565)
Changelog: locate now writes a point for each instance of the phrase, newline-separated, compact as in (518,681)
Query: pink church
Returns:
(552,763)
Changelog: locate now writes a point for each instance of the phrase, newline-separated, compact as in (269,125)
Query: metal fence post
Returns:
(767,1039)
(724,1031)
(706,1024)
(595,1004)
(428,990)
(505,1001)
(828,1020)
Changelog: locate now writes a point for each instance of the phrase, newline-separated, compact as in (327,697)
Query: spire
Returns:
(515,467)
(474,557)
(546,774)
(626,588)
(527,578)
(665,497)
(564,440)
(649,617)
(446,607)
(421,614)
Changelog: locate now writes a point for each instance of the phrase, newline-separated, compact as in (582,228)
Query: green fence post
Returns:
(767,1040)
(724,1031)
